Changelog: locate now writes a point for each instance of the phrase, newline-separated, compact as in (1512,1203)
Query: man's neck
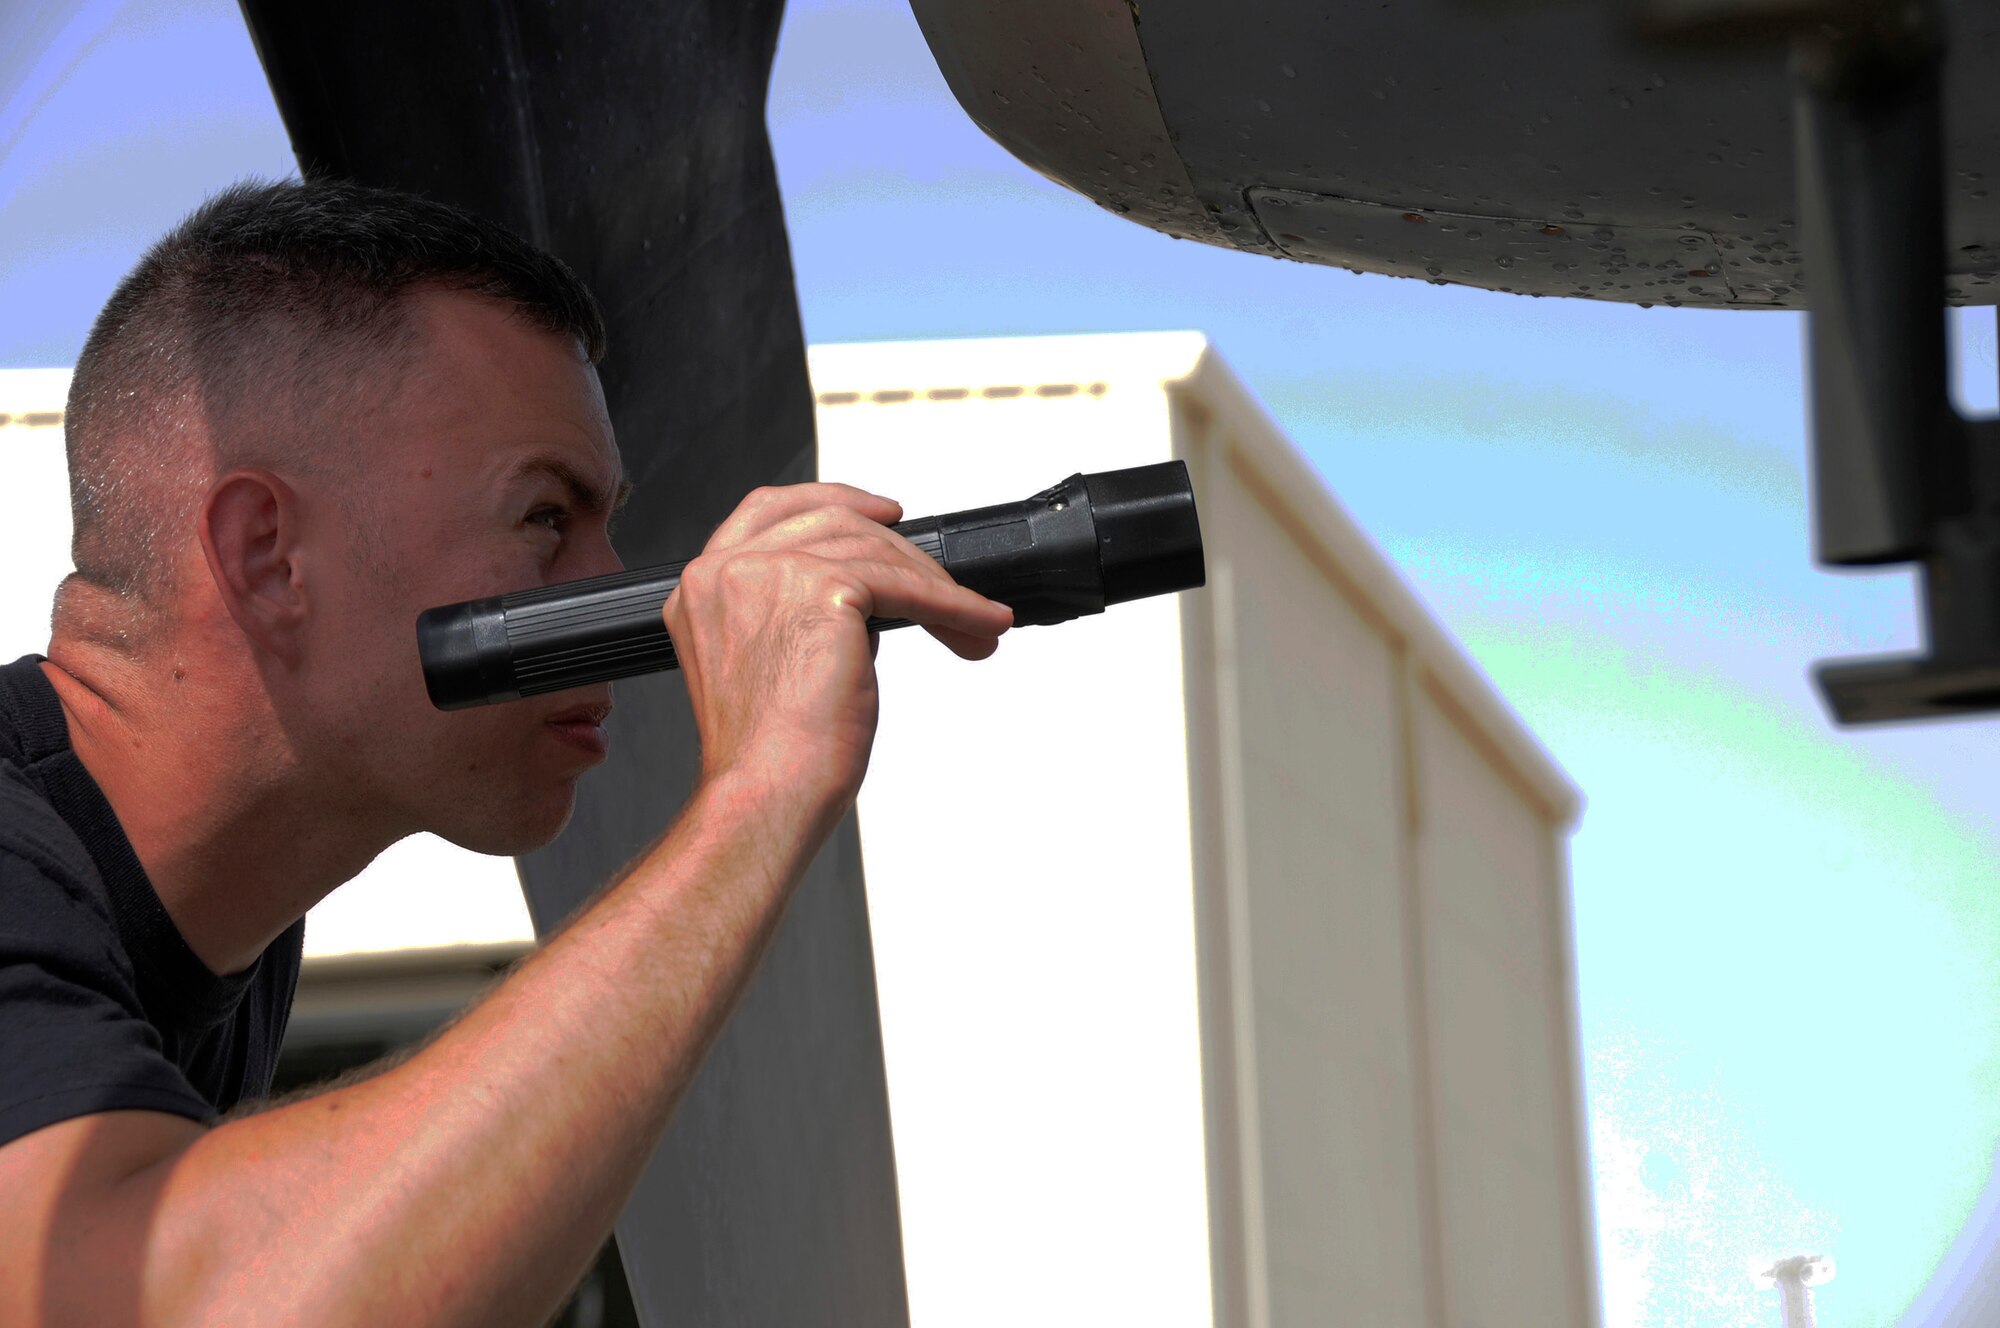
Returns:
(237,845)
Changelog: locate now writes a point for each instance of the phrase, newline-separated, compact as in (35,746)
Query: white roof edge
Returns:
(852,366)
(1212,384)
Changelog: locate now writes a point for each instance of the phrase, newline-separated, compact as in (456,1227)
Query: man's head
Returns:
(249,335)
(311,411)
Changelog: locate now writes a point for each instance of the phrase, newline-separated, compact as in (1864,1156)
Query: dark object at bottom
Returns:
(1898,474)
(1960,675)
(1089,542)
(1911,687)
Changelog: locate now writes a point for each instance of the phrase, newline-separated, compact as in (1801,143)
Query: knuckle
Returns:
(818,575)
(740,572)
(698,576)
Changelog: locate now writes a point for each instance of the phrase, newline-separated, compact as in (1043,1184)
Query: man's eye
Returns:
(554,518)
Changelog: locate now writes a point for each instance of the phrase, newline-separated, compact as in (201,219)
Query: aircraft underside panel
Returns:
(1525,147)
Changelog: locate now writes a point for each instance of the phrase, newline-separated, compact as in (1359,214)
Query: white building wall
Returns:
(1364,955)
(1391,1077)
(1498,988)
(1310,956)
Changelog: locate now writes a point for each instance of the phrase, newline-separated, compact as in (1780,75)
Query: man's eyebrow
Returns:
(584,492)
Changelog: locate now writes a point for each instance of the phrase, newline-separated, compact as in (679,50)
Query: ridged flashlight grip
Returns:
(559,639)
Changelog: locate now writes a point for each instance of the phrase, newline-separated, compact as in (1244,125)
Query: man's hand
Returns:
(770,627)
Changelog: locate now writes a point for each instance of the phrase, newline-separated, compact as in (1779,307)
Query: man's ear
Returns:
(250,535)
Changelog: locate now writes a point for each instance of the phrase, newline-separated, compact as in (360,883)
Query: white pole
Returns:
(1794,1279)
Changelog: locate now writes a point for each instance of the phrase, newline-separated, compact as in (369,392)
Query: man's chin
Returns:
(531,829)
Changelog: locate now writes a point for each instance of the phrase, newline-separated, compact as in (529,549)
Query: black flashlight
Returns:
(1091,541)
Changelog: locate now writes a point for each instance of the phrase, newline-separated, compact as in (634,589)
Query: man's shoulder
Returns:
(52,900)
(49,882)
(33,830)
(74,1036)
(30,715)
(35,833)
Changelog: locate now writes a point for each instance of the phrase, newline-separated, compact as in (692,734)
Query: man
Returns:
(311,412)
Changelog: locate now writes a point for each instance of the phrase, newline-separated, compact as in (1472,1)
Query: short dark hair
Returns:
(269,297)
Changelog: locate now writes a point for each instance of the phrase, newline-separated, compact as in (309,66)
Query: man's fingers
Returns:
(845,524)
(963,619)
(837,535)
(841,534)
(883,585)
(963,645)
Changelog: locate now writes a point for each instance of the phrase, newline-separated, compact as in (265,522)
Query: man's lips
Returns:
(583,726)
(588,712)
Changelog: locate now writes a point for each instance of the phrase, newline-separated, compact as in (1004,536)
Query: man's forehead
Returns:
(486,380)
(465,331)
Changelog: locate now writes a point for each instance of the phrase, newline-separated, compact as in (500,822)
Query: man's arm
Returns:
(472,1183)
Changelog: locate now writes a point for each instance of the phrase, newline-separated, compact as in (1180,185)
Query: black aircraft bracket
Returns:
(1899,476)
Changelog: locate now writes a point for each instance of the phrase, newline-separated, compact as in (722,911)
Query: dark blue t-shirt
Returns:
(103,1007)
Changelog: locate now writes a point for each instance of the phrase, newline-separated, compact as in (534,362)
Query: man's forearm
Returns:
(472,1183)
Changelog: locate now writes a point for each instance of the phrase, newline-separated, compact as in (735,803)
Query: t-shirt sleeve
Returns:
(73,1038)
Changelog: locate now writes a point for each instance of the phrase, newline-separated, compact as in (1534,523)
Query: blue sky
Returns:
(1788,938)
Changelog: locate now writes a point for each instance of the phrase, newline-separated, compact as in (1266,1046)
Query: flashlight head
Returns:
(1148,539)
